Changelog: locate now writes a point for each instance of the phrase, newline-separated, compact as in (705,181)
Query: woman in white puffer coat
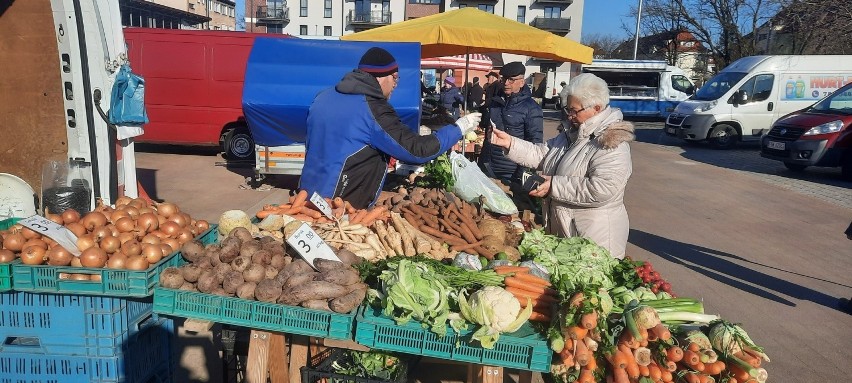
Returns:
(585,167)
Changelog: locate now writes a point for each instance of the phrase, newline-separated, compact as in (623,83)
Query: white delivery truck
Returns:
(742,101)
(645,88)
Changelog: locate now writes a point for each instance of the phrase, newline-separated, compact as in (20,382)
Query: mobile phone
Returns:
(531,181)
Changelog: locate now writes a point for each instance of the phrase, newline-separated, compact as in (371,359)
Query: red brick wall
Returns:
(420,10)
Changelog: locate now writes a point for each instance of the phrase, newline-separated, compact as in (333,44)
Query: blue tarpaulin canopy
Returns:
(284,75)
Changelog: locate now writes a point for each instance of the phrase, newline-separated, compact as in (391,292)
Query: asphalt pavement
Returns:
(761,245)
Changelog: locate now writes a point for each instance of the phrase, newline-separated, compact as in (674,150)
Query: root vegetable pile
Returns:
(300,208)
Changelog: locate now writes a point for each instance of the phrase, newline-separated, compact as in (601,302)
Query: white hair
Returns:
(591,90)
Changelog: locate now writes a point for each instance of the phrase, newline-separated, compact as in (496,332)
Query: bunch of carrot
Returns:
(299,208)
(575,336)
(530,289)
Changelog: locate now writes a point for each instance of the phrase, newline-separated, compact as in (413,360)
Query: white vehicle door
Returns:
(754,104)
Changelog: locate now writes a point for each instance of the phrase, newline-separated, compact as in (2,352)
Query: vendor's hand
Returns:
(543,189)
(500,138)
(469,122)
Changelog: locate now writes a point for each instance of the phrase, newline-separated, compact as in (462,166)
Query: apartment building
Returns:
(179,14)
(331,19)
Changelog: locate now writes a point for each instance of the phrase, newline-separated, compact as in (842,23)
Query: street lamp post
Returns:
(636,41)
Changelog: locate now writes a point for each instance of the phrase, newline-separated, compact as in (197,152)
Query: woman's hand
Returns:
(543,189)
(500,138)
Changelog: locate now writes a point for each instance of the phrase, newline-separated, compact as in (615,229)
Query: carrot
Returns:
(576,299)
(691,377)
(694,347)
(720,366)
(574,332)
(337,202)
(713,368)
(699,366)
(617,359)
(323,219)
(293,210)
(338,212)
(502,270)
(644,371)
(582,354)
(732,380)
(674,354)
(567,356)
(592,364)
(349,208)
(690,358)
(372,215)
(453,240)
(536,316)
(745,357)
(263,214)
(315,214)
(528,294)
(655,372)
(586,376)
(515,282)
(666,376)
(627,339)
(304,218)
(358,217)
(532,279)
(300,198)
(670,366)
(739,373)
(632,369)
(465,247)
(662,332)
(619,375)
(590,320)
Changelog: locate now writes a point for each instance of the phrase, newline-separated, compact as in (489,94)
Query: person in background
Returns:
(516,113)
(487,93)
(352,132)
(563,95)
(476,95)
(585,168)
(451,97)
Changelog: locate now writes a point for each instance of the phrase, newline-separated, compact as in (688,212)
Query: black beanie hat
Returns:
(378,62)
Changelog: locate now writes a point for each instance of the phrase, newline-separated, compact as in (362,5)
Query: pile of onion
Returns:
(134,236)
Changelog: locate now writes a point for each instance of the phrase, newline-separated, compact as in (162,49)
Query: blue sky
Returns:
(599,16)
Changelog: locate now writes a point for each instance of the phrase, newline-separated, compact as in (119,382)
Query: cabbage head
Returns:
(496,310)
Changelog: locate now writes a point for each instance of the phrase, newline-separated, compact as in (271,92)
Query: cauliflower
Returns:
(496,310)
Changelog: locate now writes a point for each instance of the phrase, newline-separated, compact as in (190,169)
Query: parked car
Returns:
(819,135)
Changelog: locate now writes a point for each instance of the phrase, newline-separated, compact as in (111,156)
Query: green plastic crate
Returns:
(114,283)
(253,314)
(6,268)
(524,349)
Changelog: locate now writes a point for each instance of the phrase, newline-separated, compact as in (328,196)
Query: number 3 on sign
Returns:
(310,246)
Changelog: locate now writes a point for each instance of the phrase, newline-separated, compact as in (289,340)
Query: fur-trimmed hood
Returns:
(608,129)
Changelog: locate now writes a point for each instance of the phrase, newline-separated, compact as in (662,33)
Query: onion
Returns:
(167,209)
(151,239)
(58,256)
(80,277)
(132,211)
(35,242)
(14,241)
(148,221)
(152,253)
(76,228)
(93,257)
(75,262)
(85,242)
(171,229)
(202,225)
(136,262)
(179,219)
(33,255)
(124,237)
(95,278)
(110,244)
(112,229)
(6,256)
(55,218)
(173,243)
(139,203)
(125,224)
(93,220)
(29,233)
(117,261)
(185,236)
(70,216)
(118,214)
(101,232)
(131,247)
(145,210)
(122,201)
(161,219)
(167,249)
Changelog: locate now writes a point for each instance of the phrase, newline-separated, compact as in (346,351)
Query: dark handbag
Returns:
(127,102)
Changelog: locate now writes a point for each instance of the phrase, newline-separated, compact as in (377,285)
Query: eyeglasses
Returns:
(571,112)
(395,77)
(512,79)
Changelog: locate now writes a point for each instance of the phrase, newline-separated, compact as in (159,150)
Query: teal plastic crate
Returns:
(144,358)
(6,268)
(253,314)
(524,349)
(115,283)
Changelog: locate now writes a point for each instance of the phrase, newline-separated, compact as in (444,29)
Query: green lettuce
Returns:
(412,291)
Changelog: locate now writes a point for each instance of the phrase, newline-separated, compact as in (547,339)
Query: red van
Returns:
(819,135)
(194,86)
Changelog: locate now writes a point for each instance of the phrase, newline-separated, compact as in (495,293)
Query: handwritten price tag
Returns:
(310,245)
(54,231)
(322,205)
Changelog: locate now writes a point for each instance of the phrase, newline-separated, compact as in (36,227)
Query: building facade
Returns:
(179,14)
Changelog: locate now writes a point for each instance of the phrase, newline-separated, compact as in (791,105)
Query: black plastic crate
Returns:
(319,370)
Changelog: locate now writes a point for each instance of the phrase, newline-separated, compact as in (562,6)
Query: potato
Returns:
(233,280)
(325,264)
(246,290)
(348,302)
(254,272)
(278,261)
(340,276)
(316,290)
(261,257)
(316,304)
(207,281)
(220,292)
(192,251)
(231,240)
(349,257)
(270,272)
(283,276)
(249,248)
(299,266)
(241,263)
(220,271)
(300,279)
(229,252)
(171,278)
(287,298)
(268,240)
(205,263)
(186,286)
(190,272)
(267,290)
(242,233)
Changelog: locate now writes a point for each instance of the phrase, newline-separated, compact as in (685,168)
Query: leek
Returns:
(685,316)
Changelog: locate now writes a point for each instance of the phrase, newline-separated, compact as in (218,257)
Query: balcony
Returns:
(562,2)
(272,15)
(367,20)
(559,26)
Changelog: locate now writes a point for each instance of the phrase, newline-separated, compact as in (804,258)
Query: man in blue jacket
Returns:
(353,132)
(514,112)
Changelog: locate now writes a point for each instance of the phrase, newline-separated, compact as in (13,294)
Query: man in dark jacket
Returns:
(353,131)
(475,97)
(516,113)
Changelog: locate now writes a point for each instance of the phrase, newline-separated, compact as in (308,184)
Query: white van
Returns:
(646,88)
(742,101)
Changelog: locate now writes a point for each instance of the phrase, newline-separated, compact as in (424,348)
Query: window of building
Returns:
(303,30)
(326,31)
(385,7)
(522,14)
(552,12)
(486,7)
(191,6)
(327,9)
(276,28)
(303,8)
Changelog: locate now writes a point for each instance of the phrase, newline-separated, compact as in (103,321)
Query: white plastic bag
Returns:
(472,183)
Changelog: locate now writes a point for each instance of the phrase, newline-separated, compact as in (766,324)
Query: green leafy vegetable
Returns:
(573,263)
(496,310)
(413,292)
(369,364)
(438,173)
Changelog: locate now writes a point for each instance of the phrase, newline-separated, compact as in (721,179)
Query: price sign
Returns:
(322,205)
(54,231)
(310,245)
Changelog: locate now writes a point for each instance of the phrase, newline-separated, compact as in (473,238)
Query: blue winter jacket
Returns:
(352,133)
(450,96)
(520,116)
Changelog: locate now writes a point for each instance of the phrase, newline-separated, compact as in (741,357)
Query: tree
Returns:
(811,27)
(603,44)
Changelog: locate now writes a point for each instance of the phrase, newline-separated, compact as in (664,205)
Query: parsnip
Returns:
(407,241)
